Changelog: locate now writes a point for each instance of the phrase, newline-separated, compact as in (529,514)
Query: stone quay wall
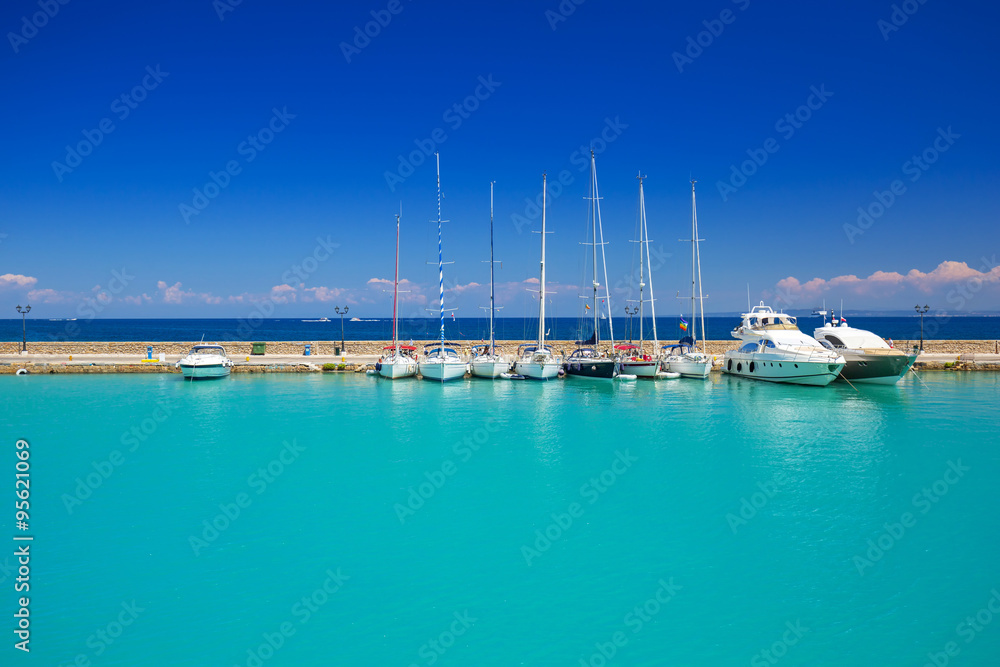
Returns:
(327,348)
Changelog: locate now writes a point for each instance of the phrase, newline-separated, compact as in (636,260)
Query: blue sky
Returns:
(791,117)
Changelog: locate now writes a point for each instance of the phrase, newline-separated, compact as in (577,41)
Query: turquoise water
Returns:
(397,524)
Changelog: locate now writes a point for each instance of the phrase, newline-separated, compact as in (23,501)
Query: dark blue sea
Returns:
(563,328)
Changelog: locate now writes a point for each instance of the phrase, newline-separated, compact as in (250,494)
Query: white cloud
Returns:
(884,284)
(16,281)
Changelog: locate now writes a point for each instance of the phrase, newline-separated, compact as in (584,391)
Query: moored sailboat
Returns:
(685,357)
(444,363)
(634,359)
(485,362)
(535,360)
(587,360)
(397,360)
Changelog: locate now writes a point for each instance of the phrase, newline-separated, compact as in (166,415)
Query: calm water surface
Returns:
(344,520)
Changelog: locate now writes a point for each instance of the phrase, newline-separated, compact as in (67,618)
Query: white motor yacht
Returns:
(868,358)
(776,351)
(205,361)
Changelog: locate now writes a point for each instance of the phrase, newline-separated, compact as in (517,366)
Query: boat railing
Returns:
(811,354)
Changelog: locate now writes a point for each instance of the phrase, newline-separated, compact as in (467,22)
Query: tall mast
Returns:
(437,157)
(593,206)
(645,243)
(604,259)
(642,242)
(395,290)
(492,338)
(697,258)
(694,241)
(541,282)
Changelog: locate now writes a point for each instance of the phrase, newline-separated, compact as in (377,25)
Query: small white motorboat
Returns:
(205,361)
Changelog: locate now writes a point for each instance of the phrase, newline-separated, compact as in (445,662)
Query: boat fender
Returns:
(21,371)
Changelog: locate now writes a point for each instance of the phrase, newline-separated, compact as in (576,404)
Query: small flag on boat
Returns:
(684,325)
(587,306)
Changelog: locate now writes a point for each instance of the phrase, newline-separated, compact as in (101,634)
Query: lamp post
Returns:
(343,347)
(630,313)
(24,331)
(921,313)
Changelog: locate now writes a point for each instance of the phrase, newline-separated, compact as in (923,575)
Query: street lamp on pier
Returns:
(630,313)
(343,346)
(24,331)
(921,313)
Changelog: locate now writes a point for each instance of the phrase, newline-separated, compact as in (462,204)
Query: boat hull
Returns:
(394,370)
(597,369)
(643,369)
(535,370)
(876,368)
(488,368)
(204,371)
(442,371)
(789,371)
(689,368)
